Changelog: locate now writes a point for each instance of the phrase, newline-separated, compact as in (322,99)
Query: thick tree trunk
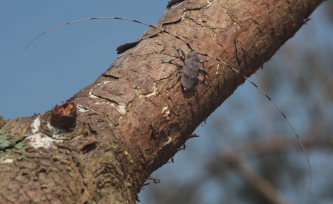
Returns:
(136,116)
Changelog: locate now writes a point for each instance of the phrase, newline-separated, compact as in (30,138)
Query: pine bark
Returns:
(136,115)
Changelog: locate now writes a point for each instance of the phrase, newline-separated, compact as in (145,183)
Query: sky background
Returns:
(59,64)
(64,61)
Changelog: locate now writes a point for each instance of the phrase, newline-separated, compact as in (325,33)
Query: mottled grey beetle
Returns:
(190,71)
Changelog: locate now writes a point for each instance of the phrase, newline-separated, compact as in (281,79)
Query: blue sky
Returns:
(64,61)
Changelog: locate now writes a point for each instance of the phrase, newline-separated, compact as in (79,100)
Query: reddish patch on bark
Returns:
(64,116)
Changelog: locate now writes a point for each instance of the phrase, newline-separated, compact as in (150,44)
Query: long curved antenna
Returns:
(96,18)
(277,108)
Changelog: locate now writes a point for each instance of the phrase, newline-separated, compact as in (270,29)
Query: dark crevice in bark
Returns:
(172,3)
(110,76)
(172,22)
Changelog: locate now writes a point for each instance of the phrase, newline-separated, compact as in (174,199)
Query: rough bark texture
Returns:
(135,117)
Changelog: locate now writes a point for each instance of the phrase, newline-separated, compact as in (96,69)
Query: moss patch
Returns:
(4,141)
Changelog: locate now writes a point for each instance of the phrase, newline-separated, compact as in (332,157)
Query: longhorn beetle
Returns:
(190,70)
(191,59)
